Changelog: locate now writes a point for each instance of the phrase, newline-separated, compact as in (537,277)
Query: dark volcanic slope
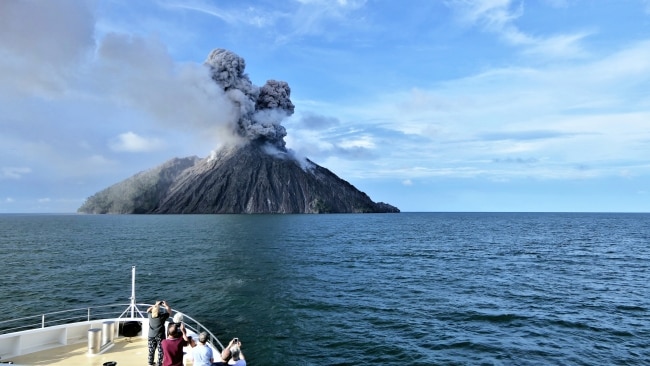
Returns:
(139,194)
(249,180)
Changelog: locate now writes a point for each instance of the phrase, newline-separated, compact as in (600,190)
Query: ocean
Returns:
(357,289)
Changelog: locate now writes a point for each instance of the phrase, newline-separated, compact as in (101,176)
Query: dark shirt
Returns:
(157,325)
(173,351)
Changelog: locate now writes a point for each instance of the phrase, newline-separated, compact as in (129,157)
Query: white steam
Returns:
(216,99)
(52,53)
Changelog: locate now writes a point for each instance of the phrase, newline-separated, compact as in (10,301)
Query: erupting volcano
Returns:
(253,173)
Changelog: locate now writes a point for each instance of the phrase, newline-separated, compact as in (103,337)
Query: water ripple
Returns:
(422,289)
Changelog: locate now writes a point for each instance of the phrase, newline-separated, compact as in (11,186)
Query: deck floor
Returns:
(126,352)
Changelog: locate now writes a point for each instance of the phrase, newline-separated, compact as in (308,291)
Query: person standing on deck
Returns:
(157,318)
(173,345)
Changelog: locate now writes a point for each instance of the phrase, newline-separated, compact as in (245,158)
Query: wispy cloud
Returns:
(313,16)
(131,142)
(500,17)
(547,118)
(522,135)
(14,172)
(244,15)
(286,22)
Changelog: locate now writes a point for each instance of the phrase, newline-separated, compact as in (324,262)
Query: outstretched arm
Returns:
(167,307)
(225,353)
(184,333)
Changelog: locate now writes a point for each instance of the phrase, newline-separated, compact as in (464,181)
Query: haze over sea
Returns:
(359,289)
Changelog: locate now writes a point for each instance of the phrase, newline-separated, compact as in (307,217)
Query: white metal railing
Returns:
(114,311)
(196,327)
(63,317)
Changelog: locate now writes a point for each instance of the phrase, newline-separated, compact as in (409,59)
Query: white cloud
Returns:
(363,141)
(14,172)
(583,114)
(500,17)
(560,46)
(9,200)
(98,161)
(354,4)
(492,15)
(307,18)
(131,142)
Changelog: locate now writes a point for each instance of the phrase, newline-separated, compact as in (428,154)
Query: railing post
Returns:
(132,291)
(43,321)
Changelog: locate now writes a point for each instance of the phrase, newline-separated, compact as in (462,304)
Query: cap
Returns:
(178,318)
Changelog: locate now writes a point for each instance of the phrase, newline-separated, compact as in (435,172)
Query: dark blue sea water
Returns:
(364,289)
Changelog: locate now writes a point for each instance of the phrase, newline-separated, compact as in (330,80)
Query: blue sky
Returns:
(450,105)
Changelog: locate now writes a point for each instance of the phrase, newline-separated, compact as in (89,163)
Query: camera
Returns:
(235,340)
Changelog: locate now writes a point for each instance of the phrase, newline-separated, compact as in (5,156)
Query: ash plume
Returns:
(261,110)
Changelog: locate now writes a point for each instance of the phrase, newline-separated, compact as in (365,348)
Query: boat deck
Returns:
(125,351)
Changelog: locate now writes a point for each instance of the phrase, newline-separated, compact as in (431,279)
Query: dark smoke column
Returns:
(275,94)
(261,110)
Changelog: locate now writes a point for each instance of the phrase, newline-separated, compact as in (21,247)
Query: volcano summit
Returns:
(253,172)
